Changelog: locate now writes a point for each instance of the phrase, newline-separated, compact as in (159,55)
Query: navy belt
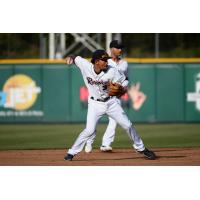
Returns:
(101,100)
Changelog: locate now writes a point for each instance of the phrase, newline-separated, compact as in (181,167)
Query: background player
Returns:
(97,75)
(122,66)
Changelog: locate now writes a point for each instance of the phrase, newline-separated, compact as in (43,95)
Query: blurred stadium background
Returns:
(43,103)
(138,45)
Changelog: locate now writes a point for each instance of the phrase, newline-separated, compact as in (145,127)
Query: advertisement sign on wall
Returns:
(18,95)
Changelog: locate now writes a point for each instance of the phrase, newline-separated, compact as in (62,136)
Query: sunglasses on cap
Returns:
(104,59)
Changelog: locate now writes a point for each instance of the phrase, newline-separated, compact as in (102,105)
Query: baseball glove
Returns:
(115,89)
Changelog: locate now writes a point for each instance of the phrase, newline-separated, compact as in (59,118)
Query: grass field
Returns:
(62,136)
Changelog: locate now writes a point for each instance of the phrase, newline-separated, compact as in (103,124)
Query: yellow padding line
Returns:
(131,60)
(163,60)
(30,61)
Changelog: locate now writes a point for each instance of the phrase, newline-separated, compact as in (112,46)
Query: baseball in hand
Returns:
(69,60)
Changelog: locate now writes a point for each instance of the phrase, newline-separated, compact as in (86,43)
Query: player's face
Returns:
(116,52)
(102,64)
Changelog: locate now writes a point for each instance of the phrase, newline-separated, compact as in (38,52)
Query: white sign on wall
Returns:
(195,96)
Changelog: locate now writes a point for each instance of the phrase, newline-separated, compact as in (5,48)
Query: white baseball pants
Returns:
(114,110)
(109,134)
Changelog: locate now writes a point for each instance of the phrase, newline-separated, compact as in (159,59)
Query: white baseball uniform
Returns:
(109,135)
(99,103)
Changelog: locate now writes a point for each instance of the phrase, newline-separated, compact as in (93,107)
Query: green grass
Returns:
(63,136)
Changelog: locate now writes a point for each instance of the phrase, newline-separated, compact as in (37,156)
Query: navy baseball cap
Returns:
(99,54)
(116,44)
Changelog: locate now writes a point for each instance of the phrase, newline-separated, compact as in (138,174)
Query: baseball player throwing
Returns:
(122,66)
(100,78)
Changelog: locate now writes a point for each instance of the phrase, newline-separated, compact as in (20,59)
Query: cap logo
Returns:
(104,56)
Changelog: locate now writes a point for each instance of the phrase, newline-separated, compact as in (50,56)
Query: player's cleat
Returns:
(106,148)
(88,148)
(68,157)
(149,154)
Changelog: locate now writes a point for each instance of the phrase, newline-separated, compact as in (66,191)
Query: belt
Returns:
(101,100)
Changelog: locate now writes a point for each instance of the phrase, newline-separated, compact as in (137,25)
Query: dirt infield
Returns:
(118,157)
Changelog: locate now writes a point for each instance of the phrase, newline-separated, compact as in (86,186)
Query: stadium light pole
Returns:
(51,45)
(118,37)
(42,46)
(108,40)
(157,45)
(62,43)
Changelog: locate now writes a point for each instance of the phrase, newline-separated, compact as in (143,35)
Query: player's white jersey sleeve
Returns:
(120,78)
(124,67)
(121,66)
(81,62)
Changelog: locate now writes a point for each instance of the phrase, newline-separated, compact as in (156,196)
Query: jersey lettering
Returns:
(94,82)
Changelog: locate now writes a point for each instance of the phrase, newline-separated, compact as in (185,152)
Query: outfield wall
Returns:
(164,90)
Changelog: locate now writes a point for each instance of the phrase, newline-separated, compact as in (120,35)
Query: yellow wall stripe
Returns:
(132,60)
(29,61)
(163,60)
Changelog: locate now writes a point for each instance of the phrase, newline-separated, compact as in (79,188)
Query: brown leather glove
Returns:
(115,89)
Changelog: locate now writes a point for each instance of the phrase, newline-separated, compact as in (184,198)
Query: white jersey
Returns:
(121,66)
(97,83)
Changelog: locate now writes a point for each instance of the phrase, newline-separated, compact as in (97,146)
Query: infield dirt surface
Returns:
(118,157)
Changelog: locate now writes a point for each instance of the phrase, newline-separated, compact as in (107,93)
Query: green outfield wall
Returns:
(160,90)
